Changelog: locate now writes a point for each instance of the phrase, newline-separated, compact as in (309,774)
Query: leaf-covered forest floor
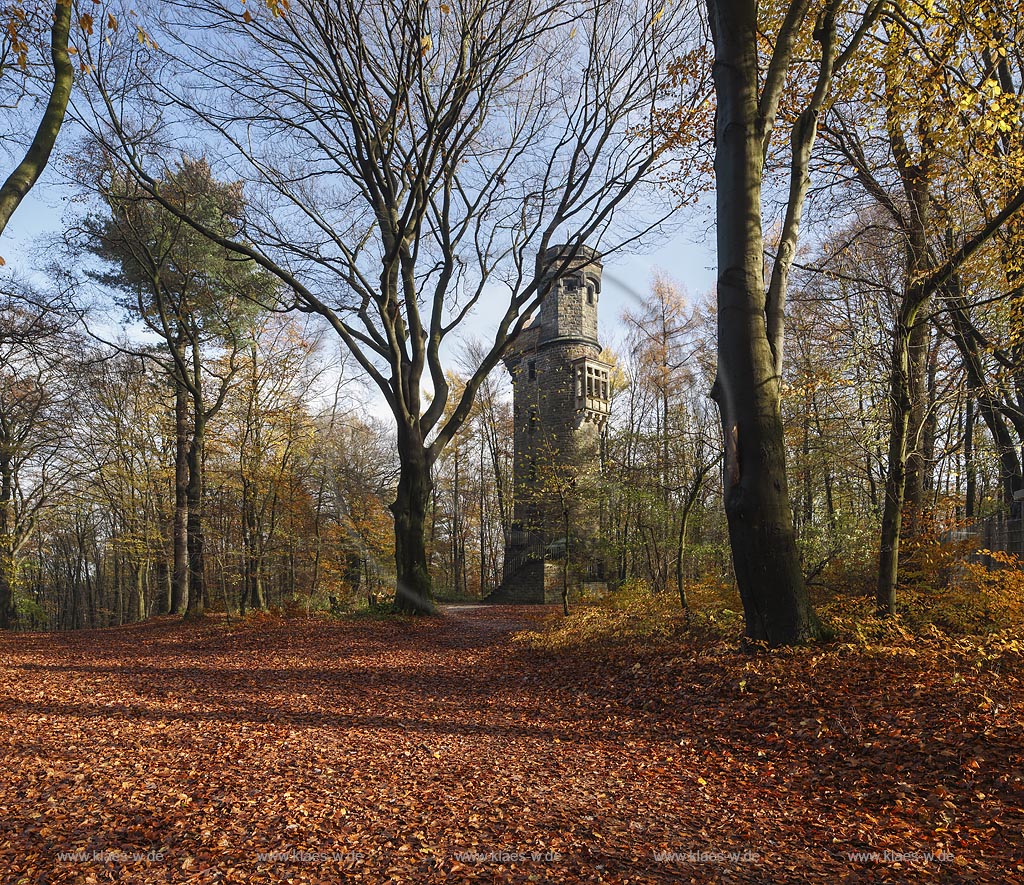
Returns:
(449,751)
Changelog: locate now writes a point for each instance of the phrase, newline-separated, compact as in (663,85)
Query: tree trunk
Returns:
(910,351)
(140,592)
(907,387)
(8,616)
(918,463)
(805,452)
(896,478)
(565,564)
(196,557)
(972,477)
(684,521)
(179,573)
(162,580)
(680,561)
(253,595)
(413,588)
(483,522)
(27,173)
(930,435)
(767,564)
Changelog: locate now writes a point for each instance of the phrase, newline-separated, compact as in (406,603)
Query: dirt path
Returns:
(306,751)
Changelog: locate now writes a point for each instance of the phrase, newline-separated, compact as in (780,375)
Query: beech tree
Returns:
(414,163)
(14,48)
(751,313)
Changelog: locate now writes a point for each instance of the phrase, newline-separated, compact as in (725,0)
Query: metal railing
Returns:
(524,546)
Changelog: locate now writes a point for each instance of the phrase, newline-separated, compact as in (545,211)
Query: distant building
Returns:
(561,392)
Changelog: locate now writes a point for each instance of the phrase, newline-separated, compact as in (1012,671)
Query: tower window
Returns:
(532,366)
(590,293)
(534,420)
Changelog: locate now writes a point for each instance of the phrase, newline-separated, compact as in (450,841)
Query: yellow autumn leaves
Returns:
(277,9)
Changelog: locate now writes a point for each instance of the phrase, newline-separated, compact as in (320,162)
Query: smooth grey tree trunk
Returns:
(27,172)
(765,557)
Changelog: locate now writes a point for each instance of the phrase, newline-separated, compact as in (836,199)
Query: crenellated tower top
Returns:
(569,311)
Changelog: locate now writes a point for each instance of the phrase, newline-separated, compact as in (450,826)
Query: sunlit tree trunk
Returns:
(27,172)
(918,463)
(904,486)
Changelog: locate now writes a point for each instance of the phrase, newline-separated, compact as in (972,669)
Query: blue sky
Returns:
(686,254)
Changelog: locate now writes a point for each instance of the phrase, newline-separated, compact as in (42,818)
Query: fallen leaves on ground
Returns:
(308,751)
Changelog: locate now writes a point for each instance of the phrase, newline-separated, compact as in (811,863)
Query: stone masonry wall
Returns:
(550,435)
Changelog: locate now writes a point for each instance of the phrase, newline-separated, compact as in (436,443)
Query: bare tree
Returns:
(413,163)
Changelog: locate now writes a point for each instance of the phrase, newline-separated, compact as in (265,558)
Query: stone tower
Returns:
(561,405)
